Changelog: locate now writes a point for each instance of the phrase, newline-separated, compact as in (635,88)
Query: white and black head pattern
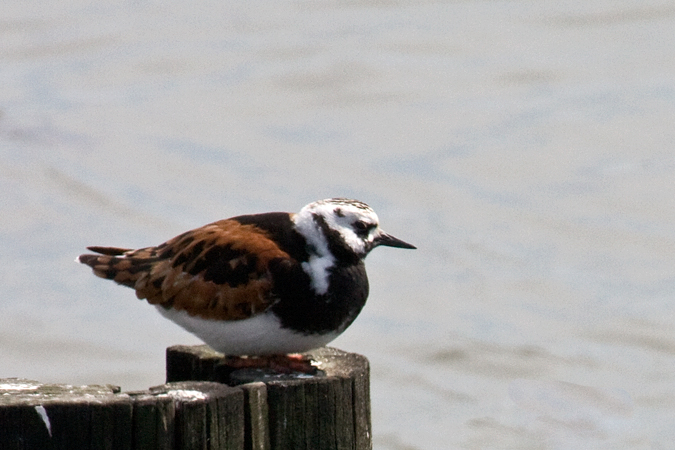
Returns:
(342,231)
(339,225)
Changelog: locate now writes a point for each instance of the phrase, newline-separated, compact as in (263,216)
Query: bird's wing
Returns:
(219,271)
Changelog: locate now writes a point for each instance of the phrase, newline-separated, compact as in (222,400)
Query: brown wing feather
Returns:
(218,271)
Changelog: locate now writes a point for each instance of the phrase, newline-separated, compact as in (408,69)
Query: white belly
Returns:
(259,335)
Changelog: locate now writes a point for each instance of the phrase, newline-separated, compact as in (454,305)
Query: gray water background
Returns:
(526,148)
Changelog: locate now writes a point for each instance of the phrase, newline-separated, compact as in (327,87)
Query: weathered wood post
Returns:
(330,410)
(174,416)
(35,415)
(196,409)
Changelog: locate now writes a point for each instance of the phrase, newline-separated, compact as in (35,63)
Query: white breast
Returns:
(259,335)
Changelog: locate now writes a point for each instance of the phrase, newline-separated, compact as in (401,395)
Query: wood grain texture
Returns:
(47,416)
(174,416)
(261,411)
(208,415)
(328,411)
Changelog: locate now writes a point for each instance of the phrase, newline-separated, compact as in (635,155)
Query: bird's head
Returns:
(347,228)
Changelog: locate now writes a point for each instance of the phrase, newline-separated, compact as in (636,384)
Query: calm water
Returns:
(525,147)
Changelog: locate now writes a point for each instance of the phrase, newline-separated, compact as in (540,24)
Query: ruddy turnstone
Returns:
(258,285)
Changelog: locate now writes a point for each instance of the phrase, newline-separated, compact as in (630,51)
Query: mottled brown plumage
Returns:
(219,271)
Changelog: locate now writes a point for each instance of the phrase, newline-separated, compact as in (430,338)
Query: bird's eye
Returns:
(362,227)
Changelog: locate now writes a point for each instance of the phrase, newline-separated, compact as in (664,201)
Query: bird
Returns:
(267,286)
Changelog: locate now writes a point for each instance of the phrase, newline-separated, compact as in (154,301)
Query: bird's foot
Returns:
(293,362)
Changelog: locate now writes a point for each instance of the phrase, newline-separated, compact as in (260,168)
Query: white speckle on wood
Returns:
(42,412)
(17,387)
(186,394)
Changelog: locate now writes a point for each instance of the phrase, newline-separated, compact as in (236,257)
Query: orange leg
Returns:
(293,362)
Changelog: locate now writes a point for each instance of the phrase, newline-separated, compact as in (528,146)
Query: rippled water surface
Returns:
(525,147)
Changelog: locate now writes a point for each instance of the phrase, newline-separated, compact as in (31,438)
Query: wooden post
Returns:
(208,415)
(174,416)
(47,416)
(259,411)
(330,410)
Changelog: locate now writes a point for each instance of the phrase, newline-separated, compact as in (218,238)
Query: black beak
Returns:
(390,241)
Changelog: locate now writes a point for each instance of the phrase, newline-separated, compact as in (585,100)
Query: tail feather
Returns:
(112,251)
(112,264)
